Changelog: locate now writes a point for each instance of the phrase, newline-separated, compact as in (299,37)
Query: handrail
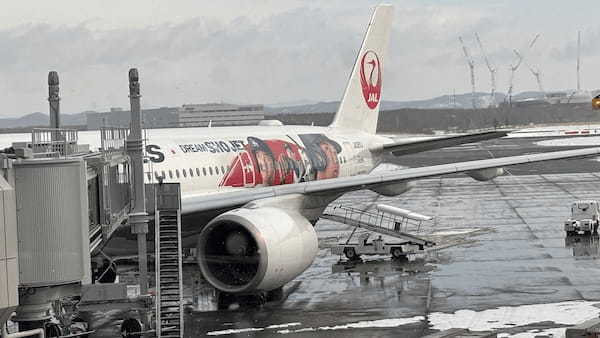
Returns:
(378,219)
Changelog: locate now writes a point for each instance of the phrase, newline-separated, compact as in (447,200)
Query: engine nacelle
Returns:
(394,189)
(486,174)
(256,249)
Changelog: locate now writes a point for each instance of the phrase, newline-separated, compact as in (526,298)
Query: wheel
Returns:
(52,330)
(350,253)
(275,295)
(131,328)
(224,300)
(397,253)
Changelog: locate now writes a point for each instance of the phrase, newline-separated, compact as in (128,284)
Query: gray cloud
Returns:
(302,53)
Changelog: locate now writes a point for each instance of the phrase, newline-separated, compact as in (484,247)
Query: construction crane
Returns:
(515,66)
(492,70)
(471,64)
(534,70)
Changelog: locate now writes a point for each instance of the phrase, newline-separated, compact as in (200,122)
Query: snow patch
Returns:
(382,323)
(570,142)
(565,313)
(251,329)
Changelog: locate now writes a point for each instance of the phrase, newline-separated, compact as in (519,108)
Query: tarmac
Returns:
(512,270)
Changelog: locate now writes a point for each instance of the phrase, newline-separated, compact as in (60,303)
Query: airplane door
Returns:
(248,168)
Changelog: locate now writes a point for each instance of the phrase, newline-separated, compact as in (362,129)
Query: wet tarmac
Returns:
(512,253)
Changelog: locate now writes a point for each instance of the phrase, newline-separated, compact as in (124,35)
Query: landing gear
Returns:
(275,295)
(131,328)
(351,254)
(397,253)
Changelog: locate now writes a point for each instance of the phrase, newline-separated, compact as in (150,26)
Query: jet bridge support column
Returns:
(54,100)
(138,218)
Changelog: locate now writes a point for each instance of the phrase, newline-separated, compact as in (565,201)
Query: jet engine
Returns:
(256,249)
(486,174)
(393,189)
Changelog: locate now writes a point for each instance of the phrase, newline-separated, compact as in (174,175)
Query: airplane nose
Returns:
(236,244)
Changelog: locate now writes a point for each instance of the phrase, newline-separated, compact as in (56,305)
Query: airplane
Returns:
(251,195)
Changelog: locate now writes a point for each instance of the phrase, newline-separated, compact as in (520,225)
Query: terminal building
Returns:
(220,114)
(188,115)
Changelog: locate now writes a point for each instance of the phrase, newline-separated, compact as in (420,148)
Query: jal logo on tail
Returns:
(370,78)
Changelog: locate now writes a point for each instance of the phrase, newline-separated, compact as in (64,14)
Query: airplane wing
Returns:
(227,200)
(410,147)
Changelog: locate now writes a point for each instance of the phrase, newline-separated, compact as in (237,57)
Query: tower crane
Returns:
(534,70)
(492,70)
(471,64)
(515,66)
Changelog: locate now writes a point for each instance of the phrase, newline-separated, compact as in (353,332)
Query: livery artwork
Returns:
(274,161)
(266,162)
(370,78)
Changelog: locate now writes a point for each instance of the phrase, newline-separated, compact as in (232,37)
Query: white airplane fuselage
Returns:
(221,158)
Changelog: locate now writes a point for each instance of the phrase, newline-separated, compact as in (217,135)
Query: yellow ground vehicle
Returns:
(596,102)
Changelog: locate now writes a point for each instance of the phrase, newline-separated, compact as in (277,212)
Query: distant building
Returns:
(220,114)
(188,115)
(163,117)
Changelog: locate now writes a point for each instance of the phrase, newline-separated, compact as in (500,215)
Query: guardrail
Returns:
(113,139)
(54,141)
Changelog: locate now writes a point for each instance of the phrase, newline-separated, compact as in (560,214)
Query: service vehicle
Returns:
(584,218)
(377,246)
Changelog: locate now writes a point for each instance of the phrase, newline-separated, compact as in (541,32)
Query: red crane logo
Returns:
(371,85)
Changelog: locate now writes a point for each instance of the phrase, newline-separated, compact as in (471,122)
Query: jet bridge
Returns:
(60,203)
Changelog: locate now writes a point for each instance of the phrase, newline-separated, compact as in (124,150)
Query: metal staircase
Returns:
(379,222)
(169,293)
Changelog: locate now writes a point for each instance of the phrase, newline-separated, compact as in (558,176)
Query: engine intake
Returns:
(252,249)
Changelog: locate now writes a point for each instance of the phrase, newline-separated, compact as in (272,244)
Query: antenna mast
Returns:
(492,70)
(471,64)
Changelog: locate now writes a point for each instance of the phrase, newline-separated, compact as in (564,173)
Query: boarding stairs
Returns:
(169,285)
(380,222)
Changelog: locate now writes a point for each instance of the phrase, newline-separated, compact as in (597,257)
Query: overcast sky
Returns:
(276,51)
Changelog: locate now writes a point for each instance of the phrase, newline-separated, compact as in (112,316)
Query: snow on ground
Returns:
(570,142)
(382,323)
(497,319)
(565,313)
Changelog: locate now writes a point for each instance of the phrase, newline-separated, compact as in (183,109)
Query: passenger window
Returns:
(204,171)
(223,170)
(210,170)
(191,173)
(177,172)
(216,170)
(197,172)
(156,175)
(163,175)
(184,172)
(149,176)
(170,173)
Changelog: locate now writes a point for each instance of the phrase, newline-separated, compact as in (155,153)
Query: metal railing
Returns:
(54,141)
(377,218)
(113,139)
